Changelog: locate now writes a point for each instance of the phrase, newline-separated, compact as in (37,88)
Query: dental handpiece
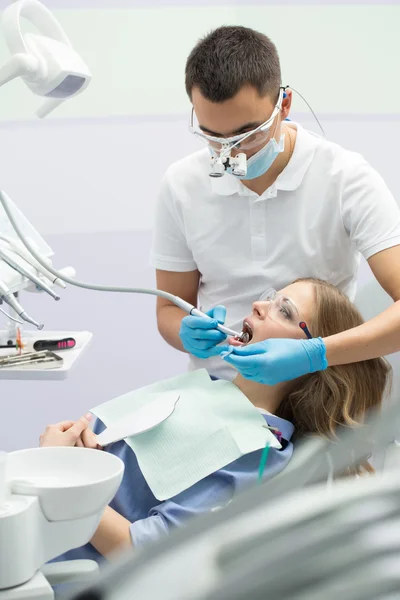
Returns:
(25,273)
(30,259)
(192,310)
(7,296)
(198,313)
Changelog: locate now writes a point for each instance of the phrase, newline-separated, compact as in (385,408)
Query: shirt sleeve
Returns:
(170,250)
(212,493)
(369,211)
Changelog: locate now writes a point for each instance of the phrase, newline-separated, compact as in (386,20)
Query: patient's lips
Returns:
(235,342)
(247,334)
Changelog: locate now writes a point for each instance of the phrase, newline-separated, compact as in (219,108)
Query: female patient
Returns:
(313,404)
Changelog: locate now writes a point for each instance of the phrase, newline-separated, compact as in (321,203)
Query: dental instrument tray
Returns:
(28,360)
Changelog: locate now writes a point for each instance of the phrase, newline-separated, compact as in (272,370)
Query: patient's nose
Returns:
(260,309)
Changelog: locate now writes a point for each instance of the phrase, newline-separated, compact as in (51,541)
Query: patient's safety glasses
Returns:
(282,310)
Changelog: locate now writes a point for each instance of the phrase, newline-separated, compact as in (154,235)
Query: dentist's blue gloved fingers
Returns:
(276,360)
(218,313)
(200,337)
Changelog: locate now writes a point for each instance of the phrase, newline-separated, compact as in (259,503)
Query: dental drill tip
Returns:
(28,319)
(243,338)
(48,290)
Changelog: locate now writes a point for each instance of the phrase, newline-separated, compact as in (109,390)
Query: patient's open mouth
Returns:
(247,333)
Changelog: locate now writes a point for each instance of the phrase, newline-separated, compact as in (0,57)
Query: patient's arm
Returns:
(211,493)
(115,533)
(112,534)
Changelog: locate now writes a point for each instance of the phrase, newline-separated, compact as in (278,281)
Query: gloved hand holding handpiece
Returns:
(200,336)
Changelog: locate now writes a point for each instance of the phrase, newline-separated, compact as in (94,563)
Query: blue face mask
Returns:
(259,163)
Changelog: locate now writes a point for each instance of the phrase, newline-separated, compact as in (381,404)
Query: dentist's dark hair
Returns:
(230,58)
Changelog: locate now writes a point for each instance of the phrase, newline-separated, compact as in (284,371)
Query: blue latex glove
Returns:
(200,337)
(276,360)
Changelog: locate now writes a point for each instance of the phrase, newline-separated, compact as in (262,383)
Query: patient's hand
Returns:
(69,433)
(88,439)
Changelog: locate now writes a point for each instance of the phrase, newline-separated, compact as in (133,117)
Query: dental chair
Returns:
(371,300)
(294,539)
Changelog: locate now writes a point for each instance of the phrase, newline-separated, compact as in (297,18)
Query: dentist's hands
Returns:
(70,433)
(199,336)
(276,360)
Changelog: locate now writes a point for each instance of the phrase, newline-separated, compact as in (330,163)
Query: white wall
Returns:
(88,176)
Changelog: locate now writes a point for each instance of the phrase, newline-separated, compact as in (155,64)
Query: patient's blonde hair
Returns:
(342,394)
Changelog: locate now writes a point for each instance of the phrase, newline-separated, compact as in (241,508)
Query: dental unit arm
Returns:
(19,249)
(7,296)
(28,272)
(19,271)
(186,306)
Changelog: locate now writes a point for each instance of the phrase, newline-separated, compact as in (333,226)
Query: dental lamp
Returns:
(45,61)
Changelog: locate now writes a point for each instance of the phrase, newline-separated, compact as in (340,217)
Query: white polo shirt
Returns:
(326,208)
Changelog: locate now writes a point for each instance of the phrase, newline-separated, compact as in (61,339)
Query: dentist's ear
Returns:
(286,104)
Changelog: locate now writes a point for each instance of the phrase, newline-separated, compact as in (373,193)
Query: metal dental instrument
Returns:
(186,306)
(30,358)
(7,296)
(25,273)
(243,337)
